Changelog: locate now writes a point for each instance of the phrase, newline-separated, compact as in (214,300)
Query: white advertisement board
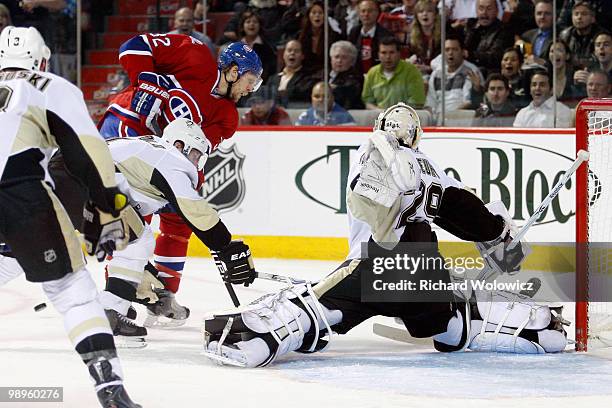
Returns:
(292,182)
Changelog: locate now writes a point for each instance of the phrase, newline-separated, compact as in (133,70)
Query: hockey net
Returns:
(594,226)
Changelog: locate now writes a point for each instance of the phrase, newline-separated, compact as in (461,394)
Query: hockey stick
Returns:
(582,156)
(228,285)
(279,278)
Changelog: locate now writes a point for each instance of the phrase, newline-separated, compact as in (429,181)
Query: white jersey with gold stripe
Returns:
(154,173)
(388,224)
(40,112)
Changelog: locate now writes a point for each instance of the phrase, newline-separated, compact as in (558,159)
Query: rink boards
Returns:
(283,188)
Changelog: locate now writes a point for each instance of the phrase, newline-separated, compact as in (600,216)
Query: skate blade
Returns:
(129,342)
(223,360)
(162,322)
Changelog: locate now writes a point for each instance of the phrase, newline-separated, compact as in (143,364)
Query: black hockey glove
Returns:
(105,232)
(237,263)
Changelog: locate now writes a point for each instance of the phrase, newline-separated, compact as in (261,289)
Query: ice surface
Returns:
(358,370)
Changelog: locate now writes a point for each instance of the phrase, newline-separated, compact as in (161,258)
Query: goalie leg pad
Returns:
(510,323)
(269,327)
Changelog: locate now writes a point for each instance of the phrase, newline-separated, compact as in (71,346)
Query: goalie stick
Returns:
(402,335)
(582,156)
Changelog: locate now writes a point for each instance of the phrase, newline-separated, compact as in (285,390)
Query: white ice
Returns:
(358,370)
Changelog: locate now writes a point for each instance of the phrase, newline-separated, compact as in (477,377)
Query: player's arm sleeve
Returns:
(464,215)
(136,56)
(195,211)
(85,152)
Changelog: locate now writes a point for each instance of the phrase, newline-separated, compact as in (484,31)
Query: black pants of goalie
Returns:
(422,318)
(38,230)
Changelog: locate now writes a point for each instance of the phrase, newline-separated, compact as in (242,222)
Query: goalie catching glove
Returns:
(236,263)
(105,232)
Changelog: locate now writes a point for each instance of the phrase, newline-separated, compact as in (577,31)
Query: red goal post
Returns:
(594,134)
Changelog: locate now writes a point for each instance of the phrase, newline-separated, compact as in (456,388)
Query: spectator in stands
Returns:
(519,83)
(346,13)
(581,35)
(425,36)
(603,58)
(270,14)
(393,80)
(598,85)
(367,35)
(496,109)
(518,16)
(319,114)
(264,110)
(559,59)
(250,25)
(184,23)
(602,9)
(538,39)
(485,37)
(295,81)
(459,80)
(406,11)
(345,80)
(312,37)
(539,113)
(5,17)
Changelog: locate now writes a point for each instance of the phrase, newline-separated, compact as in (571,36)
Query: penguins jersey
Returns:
(388,224)
(154,173)
(39,113)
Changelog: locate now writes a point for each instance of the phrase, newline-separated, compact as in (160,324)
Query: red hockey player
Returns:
(174,76)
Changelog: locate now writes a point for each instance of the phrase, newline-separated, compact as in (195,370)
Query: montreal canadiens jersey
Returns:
(188,64)
(39,113)
(154,173)
(420,205)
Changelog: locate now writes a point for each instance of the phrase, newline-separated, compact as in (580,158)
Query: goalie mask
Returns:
(25,48)
(402,121)
(191,136)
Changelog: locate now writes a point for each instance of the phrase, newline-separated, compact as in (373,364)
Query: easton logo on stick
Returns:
(224,185)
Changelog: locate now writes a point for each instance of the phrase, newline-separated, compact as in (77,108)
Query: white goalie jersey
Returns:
(368,218)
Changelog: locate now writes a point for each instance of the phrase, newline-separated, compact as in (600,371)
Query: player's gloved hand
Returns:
(106,230)
(145,293)
(237,263)
(498,255)
(150,97)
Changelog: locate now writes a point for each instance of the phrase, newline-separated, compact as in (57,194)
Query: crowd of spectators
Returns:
(381,52)
(385,51)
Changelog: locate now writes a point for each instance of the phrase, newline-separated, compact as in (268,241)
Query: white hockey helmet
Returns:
(23,47)
(191,135)
(403,121)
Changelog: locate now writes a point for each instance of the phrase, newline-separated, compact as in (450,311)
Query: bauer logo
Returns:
(224,185)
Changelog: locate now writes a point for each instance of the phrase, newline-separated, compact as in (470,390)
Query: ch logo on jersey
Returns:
(224,185)
(182,105)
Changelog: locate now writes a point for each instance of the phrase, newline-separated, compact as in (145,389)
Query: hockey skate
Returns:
(166,312)
(127,333)
(114,394)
